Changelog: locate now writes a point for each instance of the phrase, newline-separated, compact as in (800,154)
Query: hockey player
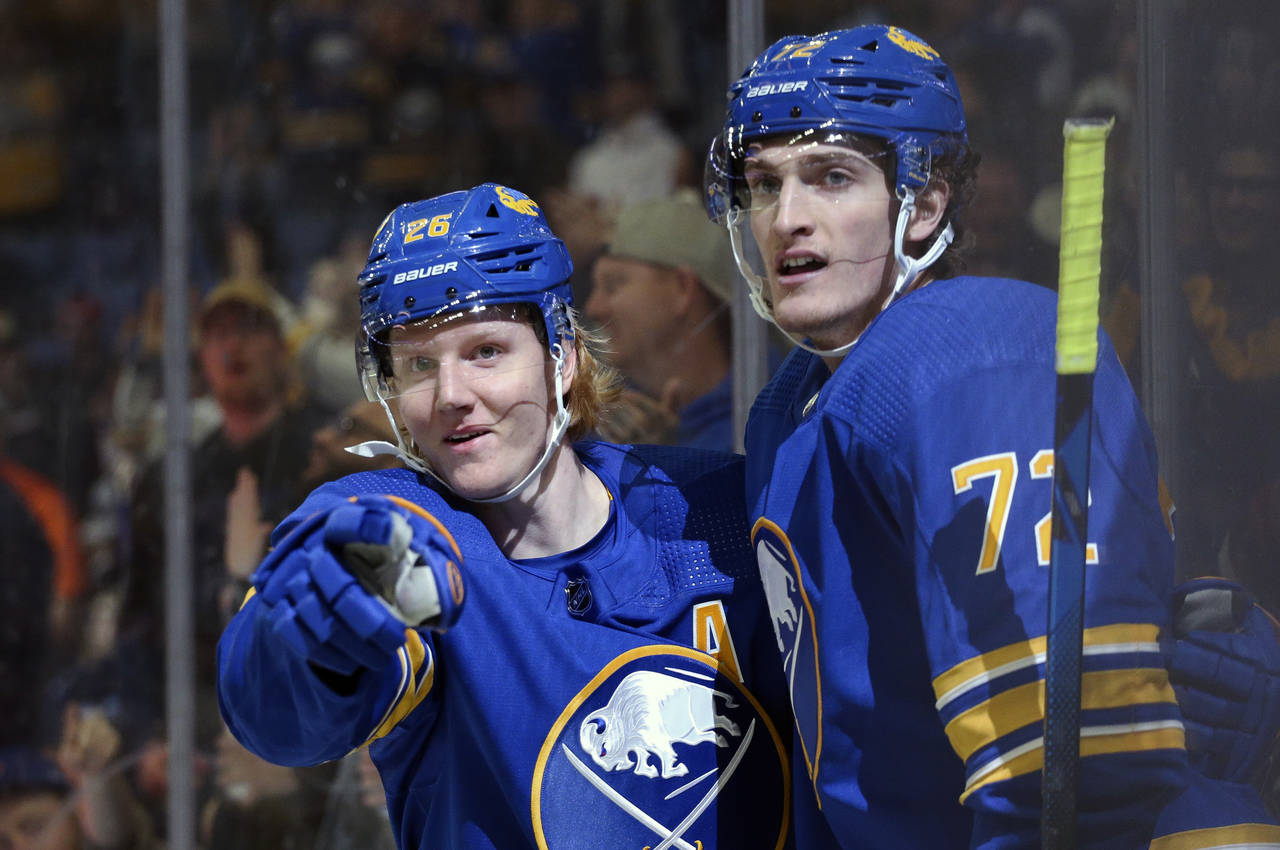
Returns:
(612,681)
(898,474)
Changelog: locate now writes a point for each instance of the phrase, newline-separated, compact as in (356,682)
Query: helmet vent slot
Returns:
(492,212)
(863,83)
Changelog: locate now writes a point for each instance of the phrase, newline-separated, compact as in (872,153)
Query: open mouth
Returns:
(464,437)
(799,265)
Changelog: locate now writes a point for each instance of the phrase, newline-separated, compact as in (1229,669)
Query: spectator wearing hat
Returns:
(263,437)
(661,290)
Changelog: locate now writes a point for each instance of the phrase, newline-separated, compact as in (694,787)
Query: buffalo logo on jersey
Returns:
(651,750)
(793,626)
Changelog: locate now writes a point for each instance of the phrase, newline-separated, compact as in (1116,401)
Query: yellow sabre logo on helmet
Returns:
(912,45)
(521,205)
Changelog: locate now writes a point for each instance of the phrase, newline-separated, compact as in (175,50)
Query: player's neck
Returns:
(560,511)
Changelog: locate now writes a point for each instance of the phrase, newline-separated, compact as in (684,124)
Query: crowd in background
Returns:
(310,120)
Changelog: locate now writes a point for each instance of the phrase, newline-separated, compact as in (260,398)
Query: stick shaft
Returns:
(1080,262)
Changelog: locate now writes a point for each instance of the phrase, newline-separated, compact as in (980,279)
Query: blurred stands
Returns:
(311,118)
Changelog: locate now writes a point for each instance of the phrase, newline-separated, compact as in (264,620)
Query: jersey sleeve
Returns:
(983,490)
(963,480)
(978,490)
(290,712)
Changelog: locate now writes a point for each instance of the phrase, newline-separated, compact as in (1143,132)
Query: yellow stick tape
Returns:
(1080,250)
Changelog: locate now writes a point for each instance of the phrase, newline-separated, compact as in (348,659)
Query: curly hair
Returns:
(958,169)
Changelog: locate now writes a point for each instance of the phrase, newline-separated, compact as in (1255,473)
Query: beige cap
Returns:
(675,231)
(250,292)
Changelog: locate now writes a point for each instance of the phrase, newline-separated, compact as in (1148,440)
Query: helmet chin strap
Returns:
(909,268)
(559,424)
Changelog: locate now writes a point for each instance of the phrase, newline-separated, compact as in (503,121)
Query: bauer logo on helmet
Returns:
(424,271)
(777,88)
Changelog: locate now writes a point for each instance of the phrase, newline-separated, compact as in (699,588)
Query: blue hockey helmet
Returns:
(843,87)
(458,253)
(877,81)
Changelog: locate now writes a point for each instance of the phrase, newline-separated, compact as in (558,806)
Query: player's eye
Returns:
(763,183)
(836,178)
(487,351)
(419,365)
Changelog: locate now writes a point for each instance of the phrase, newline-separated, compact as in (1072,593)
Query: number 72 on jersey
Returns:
(1002,469)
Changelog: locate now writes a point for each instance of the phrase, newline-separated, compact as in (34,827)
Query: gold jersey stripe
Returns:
(1240,835)
(982,668)
(1018,707)
(417,675)
(1029,758)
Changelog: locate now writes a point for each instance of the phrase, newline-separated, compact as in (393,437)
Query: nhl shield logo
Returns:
(793,626)
(650,753)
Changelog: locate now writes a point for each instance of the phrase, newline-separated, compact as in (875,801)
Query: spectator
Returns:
(265,427)
(68,805)
(255,803)
(1233,369)
(661,290)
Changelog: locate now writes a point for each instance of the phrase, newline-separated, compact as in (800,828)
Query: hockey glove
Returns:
(321,608)
(403,556)
(1225,669)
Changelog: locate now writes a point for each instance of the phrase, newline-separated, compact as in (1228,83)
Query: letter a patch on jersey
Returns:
(646,753)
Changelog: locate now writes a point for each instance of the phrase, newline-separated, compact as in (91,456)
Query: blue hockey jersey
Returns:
(625,694)
(901,524)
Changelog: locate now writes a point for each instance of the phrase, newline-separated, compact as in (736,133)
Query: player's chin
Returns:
(472,479)
(800,316)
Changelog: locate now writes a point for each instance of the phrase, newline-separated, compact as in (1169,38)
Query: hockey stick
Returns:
(1079,268)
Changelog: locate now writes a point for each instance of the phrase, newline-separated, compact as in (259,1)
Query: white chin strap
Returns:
(909,268)
(374,448)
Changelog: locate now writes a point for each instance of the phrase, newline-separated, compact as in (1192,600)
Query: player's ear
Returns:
(931,205)
(569,366)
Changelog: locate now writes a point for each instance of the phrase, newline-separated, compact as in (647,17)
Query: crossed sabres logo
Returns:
(625,745)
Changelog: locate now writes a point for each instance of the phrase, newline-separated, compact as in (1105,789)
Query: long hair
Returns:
(596,385)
